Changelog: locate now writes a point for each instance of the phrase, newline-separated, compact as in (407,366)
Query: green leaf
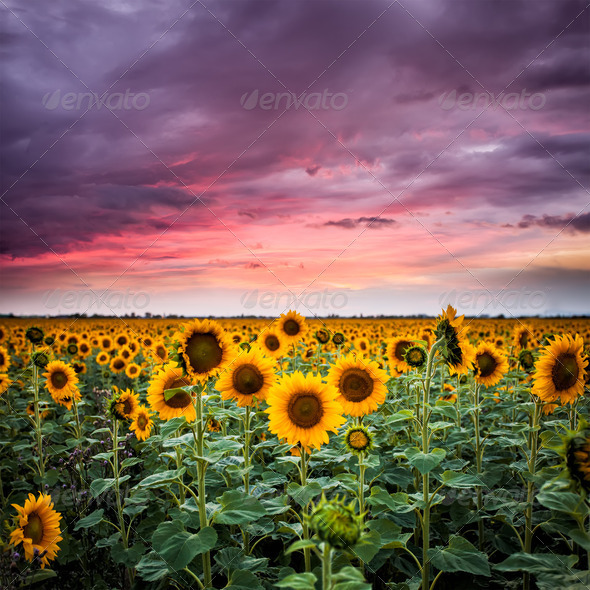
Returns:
(98,486)
(163,478)
(537,563)
(368,546)
(454,479)
(460,556)
(298,582)
(90,520)
(424,462)
(299,546)
(243,580)
(171,426)
(179,547)
(350,578)
(398,502)
(130,461)
(152,567)
(40,576)
(303,495)
(582,538)
(238,508)
(389,533)
(563,502)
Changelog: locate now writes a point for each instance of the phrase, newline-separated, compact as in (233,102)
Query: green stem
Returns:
(327,567)
(306,550)
(479,461)
(116,471)
(178,466)
(40,461)
(201,469)
(425,477)
(532,465)
(247,470)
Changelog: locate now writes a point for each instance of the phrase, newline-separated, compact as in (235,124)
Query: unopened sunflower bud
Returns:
(336,523)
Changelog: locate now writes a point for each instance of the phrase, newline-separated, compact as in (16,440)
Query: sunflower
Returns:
(577,457)
(4,359)
(203,349)
(490,364)
(106,343)
(362,346)
(523,337)
(132,370)
(250,375)
(160,352)
(125,404)
(559,372)
(4,382)
(61,379)
(358,439)
(271,343)
(449,397)
(302,409)
(454,347)
(102,358)
(322,335)
(292,326)
(180,403)
(142,423)
(121,339)
(117,364)
(360,384)
(38,528)
(338,339)
(396,350)
(526,360)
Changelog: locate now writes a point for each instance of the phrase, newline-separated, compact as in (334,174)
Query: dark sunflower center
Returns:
(400,349)
(487,364)
(523,339)
(1,359)
(181,399)
(59,380)
(272,343)
(355,385)
(106,343)
(142,422)
(305,410)
(292,327)
(127,407)
(118,364)
(565,372)
(161,352)
(247,379)
(34,529)
(204,352)
(363,345)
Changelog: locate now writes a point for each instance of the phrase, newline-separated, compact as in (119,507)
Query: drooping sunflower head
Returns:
(336,523)
(142,423)
(489,365)
(61,378)
(40,359)
(453,338)
(358,439)
(249,376)
(124,404)
(167,396)
(272,343)
(203,349)
(292,326)
(560,371)
(322,336)
(523,337)
(37,529)
(360,383)
(34,335)
(302,409)
(526,360)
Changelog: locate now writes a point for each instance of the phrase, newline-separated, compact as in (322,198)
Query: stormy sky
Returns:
(346,157)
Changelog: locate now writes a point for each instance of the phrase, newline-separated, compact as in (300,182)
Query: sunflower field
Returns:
(342,454)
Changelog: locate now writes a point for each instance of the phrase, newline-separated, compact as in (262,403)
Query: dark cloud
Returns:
(571,222)
(370,222)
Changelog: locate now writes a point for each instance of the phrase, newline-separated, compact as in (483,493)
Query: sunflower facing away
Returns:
(125,404)
(272,343)
(38,528)
(302,409)
(61,379)
(523,337)
(490,365)
(292,326)
(560,372)
(180,403)
(142,423)
(396,350)
(454,348)
(203,349)
(360,384)
(250,375)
